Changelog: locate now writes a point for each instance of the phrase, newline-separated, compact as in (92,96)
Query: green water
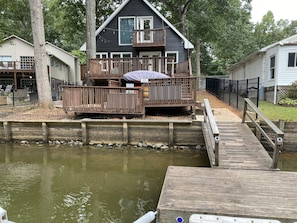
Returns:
(59,184)
(70,184)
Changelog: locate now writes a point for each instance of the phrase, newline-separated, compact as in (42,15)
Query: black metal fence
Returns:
(233,92)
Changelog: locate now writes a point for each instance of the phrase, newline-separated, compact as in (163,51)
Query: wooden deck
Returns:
(229,192)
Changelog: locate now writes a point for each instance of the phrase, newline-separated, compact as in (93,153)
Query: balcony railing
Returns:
(17,65)
(149,38)
(108,68)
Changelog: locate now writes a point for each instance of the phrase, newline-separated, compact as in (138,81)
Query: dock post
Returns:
(44,132)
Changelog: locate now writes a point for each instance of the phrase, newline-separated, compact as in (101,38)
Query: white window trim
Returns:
(121,54)
(113,67)
(119,29)
(169,62)
(172,52)
(270,68)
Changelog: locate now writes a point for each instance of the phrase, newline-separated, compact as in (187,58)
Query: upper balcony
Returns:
(17,66)
(149,38)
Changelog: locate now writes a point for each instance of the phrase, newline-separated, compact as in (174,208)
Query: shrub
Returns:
(293,90)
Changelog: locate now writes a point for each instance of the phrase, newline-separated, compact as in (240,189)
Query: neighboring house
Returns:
(275,65)
(137,29)
(17,65)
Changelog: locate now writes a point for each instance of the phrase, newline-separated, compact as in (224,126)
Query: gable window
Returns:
(292,61)
(272,67)
(126,27)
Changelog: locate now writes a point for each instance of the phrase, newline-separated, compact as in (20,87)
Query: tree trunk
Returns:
(41,71)
(198,67)
(91,37)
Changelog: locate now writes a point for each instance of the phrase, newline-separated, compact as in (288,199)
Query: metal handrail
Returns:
(211,124)
(279,135)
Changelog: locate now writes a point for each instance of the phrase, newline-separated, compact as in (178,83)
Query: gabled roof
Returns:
(60,49)
(46,43)
(292,40)
(187,43)
(16,37)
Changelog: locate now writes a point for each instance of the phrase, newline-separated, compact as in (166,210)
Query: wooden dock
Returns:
(243,183)
(228,192)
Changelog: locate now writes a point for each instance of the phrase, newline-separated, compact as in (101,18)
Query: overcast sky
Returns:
(281,9)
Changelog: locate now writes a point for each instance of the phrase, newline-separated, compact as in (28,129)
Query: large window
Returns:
(27,62)
(272,67)
(126,27)
(292,61)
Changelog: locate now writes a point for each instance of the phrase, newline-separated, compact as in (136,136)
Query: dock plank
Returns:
(239,148)
(231,192)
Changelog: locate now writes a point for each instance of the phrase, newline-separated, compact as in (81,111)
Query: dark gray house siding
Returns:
(107,40)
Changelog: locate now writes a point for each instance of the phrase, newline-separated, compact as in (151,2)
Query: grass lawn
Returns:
(276,112)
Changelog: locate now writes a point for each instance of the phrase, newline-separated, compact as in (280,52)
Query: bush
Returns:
(288,102)
(293,90)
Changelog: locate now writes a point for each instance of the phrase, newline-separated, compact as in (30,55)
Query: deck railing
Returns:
(172,91)
(109,100)
(211,133)
(149,38)
(277,141)
(107,68)
(17,65)
(168,92)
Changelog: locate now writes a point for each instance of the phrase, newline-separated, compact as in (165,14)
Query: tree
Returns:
(42,79)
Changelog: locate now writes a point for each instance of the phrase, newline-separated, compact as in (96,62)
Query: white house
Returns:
(275,65)
(17,65)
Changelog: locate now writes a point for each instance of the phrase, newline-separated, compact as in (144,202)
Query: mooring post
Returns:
(125,132)
(170,134)
(84,132)
(7,131)
(44,132)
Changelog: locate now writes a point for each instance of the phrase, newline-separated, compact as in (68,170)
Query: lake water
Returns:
(45,184)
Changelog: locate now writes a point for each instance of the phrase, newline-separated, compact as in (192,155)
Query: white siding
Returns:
(16,48)
(72,62)
(250,69)
(268,82)
(286,74)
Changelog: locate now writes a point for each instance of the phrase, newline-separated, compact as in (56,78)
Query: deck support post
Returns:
(125,132)
(44,132)
(7,131)
(170,135)
(84,132)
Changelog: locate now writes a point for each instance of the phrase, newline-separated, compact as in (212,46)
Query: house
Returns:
(17,65)
(135,38)
(275,66)
(137,29)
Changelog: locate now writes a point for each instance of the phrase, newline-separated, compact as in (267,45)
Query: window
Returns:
(6,62)
(27,62)
(126,27)
(292,61)
(170,62)
(103,62)
(123,59)
(272,67)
